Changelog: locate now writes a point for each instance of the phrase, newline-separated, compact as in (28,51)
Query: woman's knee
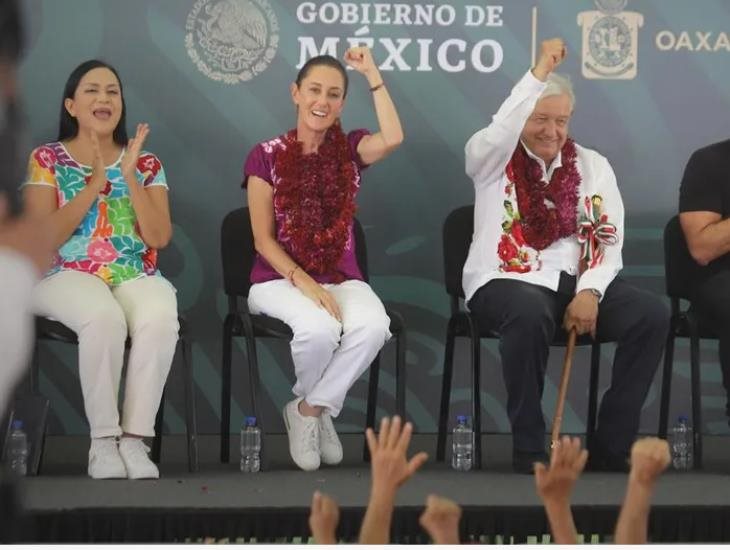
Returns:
(320,331)
(373,326)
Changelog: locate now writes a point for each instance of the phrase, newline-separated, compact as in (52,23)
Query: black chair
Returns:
(47,329)
(238,255)
(457,235)
(680,272)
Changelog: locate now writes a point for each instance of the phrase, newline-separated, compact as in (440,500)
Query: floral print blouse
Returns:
(107,242)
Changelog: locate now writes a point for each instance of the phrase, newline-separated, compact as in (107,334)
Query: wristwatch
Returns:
(595,292)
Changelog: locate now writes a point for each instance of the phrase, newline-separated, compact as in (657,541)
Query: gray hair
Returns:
(558,84)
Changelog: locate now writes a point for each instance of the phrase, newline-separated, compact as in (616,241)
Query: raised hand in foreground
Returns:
(390,469)
(440,519)
(649,458)
(555,483)
(323,518)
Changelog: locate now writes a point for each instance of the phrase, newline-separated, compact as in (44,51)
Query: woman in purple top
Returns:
(301,194)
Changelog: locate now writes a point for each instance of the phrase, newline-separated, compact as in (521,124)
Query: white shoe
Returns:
(330,448)
(104,459)
(134,454)
(303,436)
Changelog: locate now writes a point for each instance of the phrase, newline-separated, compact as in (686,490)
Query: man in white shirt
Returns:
(546,249)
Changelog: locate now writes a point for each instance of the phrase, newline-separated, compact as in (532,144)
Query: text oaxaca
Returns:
(404,53)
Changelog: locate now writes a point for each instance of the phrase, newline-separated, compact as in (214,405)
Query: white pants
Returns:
(328,356)
(18,276)
(102,317)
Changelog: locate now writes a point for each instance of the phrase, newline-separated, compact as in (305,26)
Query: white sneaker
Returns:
(330,448)
(134,454)
(104,459)
(303,436)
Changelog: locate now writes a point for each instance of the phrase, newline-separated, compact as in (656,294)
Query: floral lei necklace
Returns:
(316,194)
(548,212)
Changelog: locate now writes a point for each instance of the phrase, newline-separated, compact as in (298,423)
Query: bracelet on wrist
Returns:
(290,275)
(377,87)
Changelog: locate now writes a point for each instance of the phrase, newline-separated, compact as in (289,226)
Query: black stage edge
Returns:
(219,503)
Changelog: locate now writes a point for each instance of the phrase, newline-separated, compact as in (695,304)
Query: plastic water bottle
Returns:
(17,450)
(682,444)
(250,446)
(462,445)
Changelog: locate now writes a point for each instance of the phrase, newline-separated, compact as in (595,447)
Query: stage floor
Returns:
(219,502)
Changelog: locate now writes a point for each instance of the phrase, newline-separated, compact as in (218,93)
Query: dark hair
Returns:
(326,61)
(68,126)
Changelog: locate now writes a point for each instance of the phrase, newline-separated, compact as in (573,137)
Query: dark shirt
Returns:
(706,188)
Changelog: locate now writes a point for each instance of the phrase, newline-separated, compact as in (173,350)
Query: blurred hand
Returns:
(552,54)
(440,519)
(649,458)
(98,168)
(133,150)
(389,465)
(323,518)
(555,483)
(361,59)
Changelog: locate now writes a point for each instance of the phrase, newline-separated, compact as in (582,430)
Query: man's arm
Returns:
(488,151)
(649,458)
(390,469)
(582,312)
(707,234)
(700,204)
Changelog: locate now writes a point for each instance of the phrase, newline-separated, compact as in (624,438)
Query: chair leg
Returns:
(191,427)
(400,375)
(593,392)
(446,391)
(666,384)
(373,382)
(35,369)
(225,428)
(476,389)
(255,391)
(696,397)
(159,422)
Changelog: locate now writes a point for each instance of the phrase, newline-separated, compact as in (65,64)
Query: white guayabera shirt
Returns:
(488,153)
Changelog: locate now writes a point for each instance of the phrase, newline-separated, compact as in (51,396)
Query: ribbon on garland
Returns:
(594,233)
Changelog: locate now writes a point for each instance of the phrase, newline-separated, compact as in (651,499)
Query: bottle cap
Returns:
(250,421)
(17,424)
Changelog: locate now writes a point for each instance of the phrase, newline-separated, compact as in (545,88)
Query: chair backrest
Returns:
(457,234)
(238,253)
(680,269)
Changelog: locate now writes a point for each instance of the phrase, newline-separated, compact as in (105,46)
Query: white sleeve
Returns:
(18,276)
(488,151)
(601,276)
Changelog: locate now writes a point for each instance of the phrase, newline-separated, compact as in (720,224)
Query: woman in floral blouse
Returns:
(301,193)
(106,202)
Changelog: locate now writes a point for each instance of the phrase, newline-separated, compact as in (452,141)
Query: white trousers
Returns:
(328,356)
(18,276)
(102,317)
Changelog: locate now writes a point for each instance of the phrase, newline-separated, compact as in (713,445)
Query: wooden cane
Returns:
(564,379)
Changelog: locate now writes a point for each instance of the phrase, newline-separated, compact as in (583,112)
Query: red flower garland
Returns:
(543,224)
(316,194)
